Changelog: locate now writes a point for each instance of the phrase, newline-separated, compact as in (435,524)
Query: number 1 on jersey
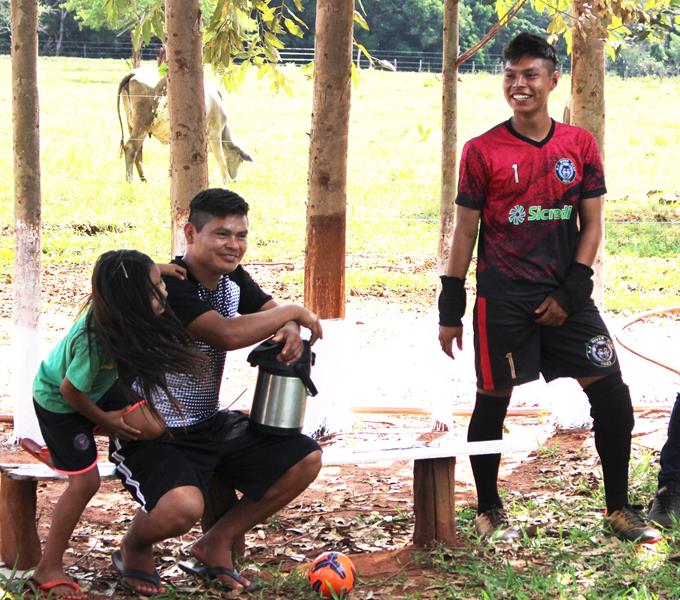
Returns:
(516,171)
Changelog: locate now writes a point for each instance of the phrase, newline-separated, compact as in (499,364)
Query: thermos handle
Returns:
(306,379)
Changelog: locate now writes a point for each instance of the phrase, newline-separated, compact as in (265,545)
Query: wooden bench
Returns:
(434,464)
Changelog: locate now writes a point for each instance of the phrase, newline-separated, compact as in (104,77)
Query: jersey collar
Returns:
(540,144)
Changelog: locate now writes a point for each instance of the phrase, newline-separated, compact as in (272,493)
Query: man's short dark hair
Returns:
(215,202)
(528,44)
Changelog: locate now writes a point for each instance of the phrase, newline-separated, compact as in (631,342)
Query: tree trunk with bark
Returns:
(17,499)
(327,194)
(186,106)
(449,132)
(587,100)
(27,211)
(136,50)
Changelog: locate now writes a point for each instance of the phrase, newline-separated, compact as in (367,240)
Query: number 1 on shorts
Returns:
(511,362)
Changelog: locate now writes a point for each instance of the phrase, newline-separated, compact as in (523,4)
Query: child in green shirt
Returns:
(126,329)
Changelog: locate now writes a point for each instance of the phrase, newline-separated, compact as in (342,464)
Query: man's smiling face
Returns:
(221,243)
(527,84)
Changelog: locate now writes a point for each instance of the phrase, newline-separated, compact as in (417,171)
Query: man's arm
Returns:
(590,215)
(245,330)
(460,255)
(551,310)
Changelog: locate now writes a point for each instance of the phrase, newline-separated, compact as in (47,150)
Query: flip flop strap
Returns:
(214,572)
(48,585)
(152,578)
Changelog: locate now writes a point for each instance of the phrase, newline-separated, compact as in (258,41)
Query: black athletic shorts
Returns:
(511,349)
(246,459)
(69,436)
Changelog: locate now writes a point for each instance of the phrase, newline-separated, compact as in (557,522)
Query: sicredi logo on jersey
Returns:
(565,170)
(518,214)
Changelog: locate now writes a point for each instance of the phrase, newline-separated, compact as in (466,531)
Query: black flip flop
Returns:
(210,575)
(123,574)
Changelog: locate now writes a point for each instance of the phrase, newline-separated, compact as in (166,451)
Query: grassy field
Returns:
(393,187)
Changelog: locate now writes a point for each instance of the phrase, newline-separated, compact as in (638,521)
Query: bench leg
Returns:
(19,542)
(221,498)
(433,497)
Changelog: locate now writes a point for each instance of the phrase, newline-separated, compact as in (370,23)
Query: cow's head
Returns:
(235,156)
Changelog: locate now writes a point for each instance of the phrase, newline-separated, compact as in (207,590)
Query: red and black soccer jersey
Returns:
(529,194)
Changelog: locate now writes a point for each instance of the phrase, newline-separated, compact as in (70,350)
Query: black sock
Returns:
(612,413)
(486,423)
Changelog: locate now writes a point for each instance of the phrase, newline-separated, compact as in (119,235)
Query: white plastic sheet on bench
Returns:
(440,448)
(41,471)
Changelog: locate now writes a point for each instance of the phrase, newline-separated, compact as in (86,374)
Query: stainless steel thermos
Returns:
(281,391)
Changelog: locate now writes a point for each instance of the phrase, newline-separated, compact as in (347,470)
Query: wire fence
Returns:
(390,60)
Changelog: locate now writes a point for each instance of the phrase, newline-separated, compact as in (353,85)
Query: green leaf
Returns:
(271,40)
(293,28)
(610,51)
(358,18)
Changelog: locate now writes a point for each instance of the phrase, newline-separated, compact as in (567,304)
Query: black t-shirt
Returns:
(235,293)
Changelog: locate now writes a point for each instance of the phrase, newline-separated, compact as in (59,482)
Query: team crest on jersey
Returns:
(600,351)
(517,215)
(565,170)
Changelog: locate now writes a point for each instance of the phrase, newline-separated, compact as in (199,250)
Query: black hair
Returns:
(215,202)
(528,44)
(121,320)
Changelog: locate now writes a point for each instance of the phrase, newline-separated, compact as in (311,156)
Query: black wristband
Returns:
(451,301)
(576,288)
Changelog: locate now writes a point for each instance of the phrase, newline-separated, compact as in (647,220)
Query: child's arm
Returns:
(112,422)
(172,270)
(140,417)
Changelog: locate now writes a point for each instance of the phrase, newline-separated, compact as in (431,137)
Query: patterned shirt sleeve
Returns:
(473,180)
(252,296)
(593,172)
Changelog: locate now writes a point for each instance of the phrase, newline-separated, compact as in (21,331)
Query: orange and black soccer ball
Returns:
(332,572)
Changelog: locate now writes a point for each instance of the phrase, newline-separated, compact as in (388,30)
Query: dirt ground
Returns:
(365,511)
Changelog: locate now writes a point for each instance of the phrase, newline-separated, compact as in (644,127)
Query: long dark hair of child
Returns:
(145,346)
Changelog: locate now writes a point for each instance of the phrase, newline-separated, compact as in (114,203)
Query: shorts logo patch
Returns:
(565,170)
(600,351)
(517,215)
(81,442)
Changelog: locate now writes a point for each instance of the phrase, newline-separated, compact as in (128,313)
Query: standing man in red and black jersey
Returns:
(533,190)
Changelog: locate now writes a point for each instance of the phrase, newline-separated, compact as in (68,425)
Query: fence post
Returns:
(358,58)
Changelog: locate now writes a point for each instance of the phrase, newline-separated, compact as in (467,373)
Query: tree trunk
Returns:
(27,246)
(327,194)
(136,50)
(587,102)
(19,545)
(186,106)
(60,36)
(449,132)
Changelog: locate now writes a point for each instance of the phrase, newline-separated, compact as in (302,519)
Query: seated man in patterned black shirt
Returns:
(223,309)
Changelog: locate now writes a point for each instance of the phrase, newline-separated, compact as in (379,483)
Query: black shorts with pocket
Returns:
(224,444)
(69,437)
(511,349)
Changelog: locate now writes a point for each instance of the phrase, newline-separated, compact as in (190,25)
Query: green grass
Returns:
(393,174)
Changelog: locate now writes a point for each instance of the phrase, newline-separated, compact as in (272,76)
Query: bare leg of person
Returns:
(174,514)
(214,548)
(66,515)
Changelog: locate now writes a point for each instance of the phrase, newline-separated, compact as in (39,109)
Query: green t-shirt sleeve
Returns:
(84,365)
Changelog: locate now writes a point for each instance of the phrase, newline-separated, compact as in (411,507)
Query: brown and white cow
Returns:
(145,100)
